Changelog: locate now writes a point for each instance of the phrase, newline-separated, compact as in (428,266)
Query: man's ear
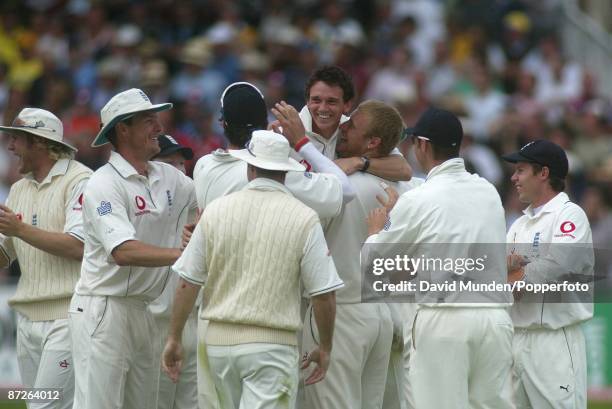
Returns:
(374,143)
(347,107)
(120,129)
(545,172)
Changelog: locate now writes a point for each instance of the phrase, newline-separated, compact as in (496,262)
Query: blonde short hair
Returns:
(55,150)
(385,123)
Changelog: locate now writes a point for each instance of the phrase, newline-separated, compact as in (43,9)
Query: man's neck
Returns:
(139,164)
(325,134)
(279,179)
(544,198)
(42,169)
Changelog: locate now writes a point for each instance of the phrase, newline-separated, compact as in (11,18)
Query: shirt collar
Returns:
(552,205)
(454,165)
(59,168)
(125,168)
(307,121)
(223,156)
(267,185)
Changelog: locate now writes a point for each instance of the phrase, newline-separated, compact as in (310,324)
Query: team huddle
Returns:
(243,288)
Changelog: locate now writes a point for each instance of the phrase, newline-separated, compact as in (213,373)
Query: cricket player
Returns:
(329,95)
(244,111)
(550,243)
(41,227)
(251,249)
(461,352)
(173,153)
(130,204)
(364,332)
(184,393)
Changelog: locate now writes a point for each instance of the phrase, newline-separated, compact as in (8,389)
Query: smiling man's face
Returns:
(326,105)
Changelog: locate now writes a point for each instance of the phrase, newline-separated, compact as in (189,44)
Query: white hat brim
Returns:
(245,155)
(101,139)
(36,132)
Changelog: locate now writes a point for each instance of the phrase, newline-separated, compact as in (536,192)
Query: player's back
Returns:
(218,174)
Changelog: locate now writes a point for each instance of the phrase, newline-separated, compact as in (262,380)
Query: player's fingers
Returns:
(273,125)
(280,110)
(316,376)
(5,209)
(280,117)
(393,195)
(289,109)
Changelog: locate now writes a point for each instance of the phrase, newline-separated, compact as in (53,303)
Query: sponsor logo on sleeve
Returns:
(104,208)
(79,204)
(308,175)
(566,229)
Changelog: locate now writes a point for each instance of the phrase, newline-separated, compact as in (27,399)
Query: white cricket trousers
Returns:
(184,393)
(359,360)
(461,358)
(398,393)
(254,375)
(44,355)
(114,346)
(550,368)
(207,394)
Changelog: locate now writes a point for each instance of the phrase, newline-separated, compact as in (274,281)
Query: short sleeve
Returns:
(105,212)
(570,253)
(6,248)
(319,275)
(74,211)
(191,265)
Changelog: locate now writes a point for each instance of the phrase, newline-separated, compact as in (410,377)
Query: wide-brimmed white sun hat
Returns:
(41,123)
(122,106)
(268,150)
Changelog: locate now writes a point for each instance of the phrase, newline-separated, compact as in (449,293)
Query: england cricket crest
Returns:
(535,245)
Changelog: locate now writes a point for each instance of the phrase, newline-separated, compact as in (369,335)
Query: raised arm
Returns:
(393,167)
(293,129)
(56,243)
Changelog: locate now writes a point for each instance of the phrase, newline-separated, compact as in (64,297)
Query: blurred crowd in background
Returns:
(499,64)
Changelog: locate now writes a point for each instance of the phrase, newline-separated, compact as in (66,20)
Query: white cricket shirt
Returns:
(558,244)
(120,205)
(451,208)
(317,271)
(218,174)
(346,233)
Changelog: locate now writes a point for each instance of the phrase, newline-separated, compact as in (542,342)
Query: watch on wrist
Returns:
(366,163)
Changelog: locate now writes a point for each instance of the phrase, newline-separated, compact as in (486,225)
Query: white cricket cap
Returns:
(268,150)
(41,123)
(122,106)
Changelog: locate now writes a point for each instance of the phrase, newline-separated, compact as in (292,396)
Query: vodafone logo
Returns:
(306,164)
(140,203)
(567,227)
(79,205)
